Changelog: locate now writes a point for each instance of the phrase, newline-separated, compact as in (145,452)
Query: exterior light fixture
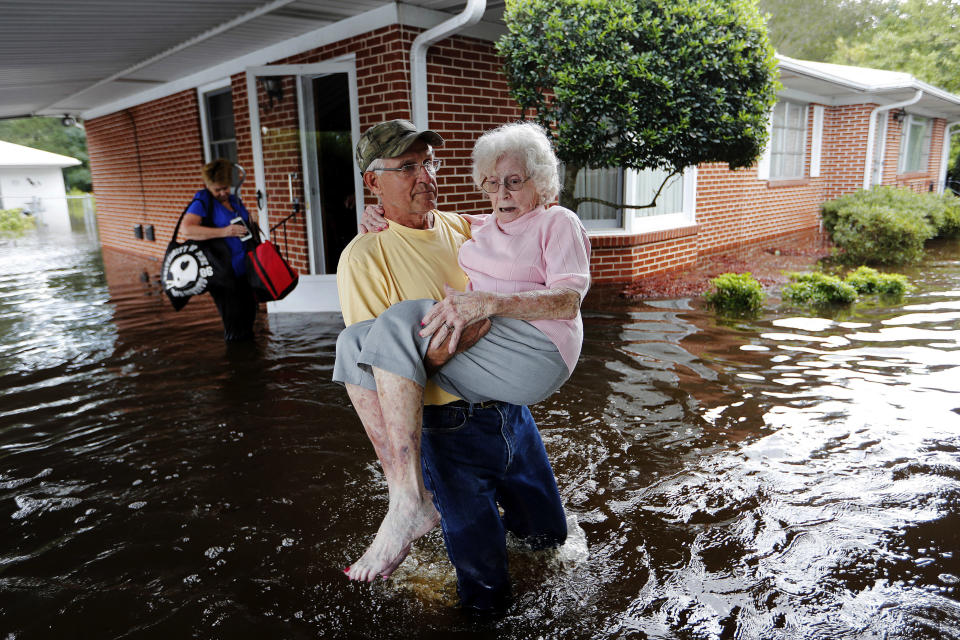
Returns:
(273,85)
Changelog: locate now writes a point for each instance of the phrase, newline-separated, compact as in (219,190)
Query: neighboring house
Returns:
(32,180)
(285,90)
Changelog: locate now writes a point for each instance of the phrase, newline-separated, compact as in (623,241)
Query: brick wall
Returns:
(155,189)
(622,258)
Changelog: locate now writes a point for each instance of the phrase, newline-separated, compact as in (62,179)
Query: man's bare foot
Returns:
(405,522)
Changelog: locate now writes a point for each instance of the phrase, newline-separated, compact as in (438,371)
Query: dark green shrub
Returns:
(818,288)
(14,223)
(735,293)
(950,227)
(885,225)
(869,281)
(877,227)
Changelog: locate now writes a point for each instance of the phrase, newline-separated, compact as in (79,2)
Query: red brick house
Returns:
(286,88)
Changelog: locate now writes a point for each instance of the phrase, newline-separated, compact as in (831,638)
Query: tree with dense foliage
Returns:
(921,37)
(49,134)
(642,83)
(811,29)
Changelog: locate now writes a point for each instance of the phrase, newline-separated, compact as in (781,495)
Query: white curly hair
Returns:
(528,142)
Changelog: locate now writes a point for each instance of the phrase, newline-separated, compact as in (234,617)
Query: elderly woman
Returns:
(210,216)
(528,266)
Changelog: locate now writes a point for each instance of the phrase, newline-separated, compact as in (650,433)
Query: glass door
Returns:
(304,125)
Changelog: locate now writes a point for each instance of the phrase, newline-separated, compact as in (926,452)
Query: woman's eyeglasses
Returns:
(410,169)
(513,183)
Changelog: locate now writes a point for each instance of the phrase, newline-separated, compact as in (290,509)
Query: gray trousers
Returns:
(514,362)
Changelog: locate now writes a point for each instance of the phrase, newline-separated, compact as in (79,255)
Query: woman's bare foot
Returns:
(405,521)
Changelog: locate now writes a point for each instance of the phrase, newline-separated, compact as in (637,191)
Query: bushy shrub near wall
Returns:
(885,225)
(735,293)
(950,226)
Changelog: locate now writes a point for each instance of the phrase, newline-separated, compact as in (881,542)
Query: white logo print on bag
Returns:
(185,271)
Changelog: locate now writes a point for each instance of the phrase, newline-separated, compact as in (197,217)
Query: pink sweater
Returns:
(542,249)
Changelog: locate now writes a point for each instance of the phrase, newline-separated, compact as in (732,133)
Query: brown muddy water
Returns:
(793,476)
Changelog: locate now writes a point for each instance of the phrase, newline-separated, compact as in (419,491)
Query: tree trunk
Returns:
(567,199)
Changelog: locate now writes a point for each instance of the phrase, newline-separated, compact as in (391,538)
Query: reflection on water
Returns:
(789,477)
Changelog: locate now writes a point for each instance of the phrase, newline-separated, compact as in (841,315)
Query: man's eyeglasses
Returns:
(513,183)
(410,169)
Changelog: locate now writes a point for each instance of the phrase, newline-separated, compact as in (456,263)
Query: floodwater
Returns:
(793,476)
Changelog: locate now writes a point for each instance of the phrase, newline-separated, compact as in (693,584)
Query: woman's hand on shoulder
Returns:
(452,315)
(372,220)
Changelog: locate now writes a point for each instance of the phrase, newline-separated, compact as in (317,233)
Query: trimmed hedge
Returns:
(885,225)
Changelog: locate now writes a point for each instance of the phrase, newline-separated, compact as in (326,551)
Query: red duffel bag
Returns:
(268,273)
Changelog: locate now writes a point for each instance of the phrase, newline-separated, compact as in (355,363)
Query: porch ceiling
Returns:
(69,56)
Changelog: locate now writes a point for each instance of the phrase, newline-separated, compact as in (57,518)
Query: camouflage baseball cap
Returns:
(390,139)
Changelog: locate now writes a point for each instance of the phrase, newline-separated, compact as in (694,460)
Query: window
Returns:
(604,184)
(788,140)
(221,139)
(915,145)
(674,207)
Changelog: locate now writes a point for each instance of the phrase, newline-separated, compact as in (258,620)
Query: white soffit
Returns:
(79,56)
(836,85)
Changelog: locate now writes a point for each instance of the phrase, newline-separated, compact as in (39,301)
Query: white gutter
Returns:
(945,155)
(872,132)
(418,56)
(226,26)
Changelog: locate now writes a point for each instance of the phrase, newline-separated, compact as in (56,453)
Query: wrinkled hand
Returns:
(439,355)
(372,220)
(449,317)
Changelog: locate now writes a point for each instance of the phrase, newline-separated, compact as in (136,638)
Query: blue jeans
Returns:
(474,459)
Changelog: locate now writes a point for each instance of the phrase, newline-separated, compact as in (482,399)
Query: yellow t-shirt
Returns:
(378,269)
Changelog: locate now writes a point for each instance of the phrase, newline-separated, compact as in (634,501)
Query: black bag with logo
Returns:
(195,266)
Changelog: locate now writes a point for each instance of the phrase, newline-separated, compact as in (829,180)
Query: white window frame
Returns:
(634,220)
(905,137)
(778,141)
(202,92)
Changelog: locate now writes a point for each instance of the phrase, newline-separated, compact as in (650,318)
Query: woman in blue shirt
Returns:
(209,217)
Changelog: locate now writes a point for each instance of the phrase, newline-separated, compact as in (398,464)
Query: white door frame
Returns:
(315,292)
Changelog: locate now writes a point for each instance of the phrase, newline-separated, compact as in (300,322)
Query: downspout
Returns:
(418,56)
(945,155)
(872,132)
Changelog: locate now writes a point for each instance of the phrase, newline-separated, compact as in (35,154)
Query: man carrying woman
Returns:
(528,267)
